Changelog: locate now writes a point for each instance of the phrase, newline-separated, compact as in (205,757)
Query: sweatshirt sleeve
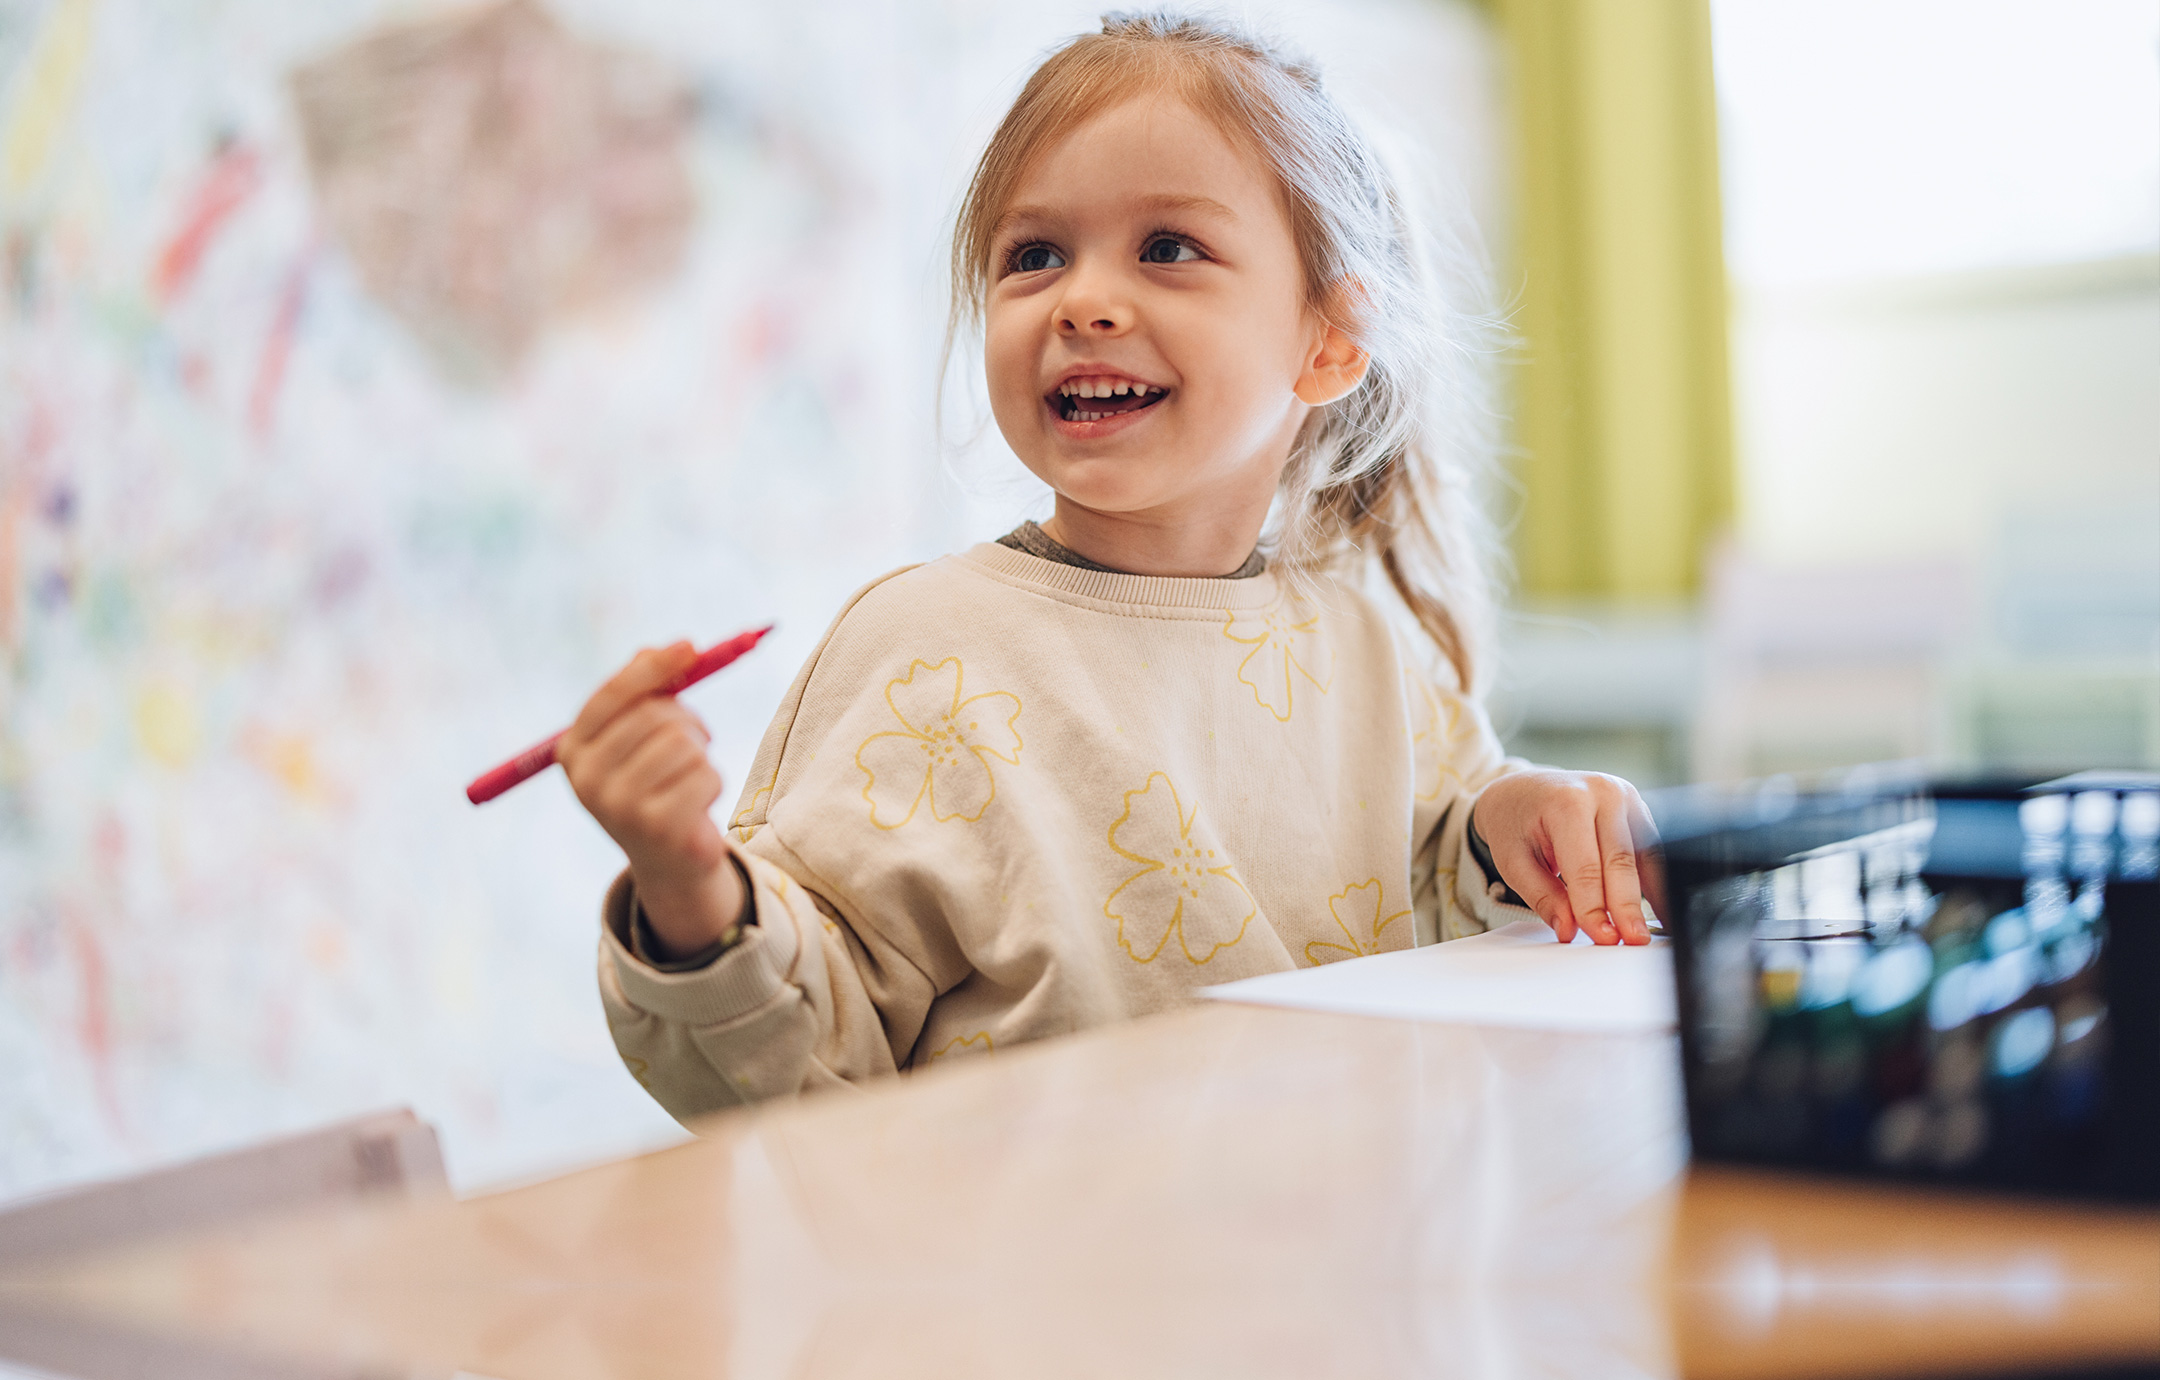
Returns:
(1459,755)
(799,1002)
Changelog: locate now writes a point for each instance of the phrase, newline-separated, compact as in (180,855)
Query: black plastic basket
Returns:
(1944,982)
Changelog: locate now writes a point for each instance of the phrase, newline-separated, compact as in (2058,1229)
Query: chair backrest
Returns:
(1765,615)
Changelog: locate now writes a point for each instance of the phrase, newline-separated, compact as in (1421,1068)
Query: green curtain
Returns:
(1621,403)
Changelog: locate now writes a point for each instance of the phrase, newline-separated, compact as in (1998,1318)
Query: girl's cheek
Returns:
(999,348)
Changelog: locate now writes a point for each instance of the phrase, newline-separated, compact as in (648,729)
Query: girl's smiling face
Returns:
(1147,338)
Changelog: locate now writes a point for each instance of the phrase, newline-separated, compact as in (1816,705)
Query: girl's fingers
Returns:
(602,758)
(1539,889)
(1649,856)
(1581,867)
(1622,882)
(649,672)
(1549,900)
(595,764)
(651,768)
(622,797)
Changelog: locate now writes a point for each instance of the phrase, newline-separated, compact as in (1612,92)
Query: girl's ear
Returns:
(1332,370)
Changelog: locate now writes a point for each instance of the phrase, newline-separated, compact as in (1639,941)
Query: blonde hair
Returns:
(1384,474)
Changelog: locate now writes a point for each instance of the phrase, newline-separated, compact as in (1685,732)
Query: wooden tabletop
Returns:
(1226,1191)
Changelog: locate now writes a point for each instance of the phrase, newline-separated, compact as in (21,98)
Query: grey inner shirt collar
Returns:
(1034,541)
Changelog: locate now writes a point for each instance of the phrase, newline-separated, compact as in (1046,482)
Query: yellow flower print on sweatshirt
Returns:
(960,1044)
(943,750)
(1361,914)
(1441,725)
(1184,889)
(741,824)
(1286,647)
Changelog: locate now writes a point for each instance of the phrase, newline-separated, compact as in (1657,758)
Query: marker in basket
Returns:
(540,756)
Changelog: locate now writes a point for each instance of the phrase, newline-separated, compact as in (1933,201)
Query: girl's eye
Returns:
(1034,258)
(1165,249)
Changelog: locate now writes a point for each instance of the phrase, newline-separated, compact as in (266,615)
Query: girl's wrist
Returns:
(689,915)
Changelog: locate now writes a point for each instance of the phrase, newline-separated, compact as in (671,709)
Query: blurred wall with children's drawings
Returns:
(374,378)
(1942,230)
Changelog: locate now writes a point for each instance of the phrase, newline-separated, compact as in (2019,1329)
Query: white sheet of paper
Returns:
(1519,975)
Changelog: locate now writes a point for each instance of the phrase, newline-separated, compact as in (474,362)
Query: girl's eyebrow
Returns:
(1159,203)
(1203,205)
(1030,216)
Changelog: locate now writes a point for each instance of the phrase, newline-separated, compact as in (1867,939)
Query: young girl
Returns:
(1067,778)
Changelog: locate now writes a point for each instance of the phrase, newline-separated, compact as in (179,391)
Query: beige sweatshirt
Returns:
(1008,798)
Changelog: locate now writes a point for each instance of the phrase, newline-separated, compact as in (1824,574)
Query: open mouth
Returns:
(1096,399)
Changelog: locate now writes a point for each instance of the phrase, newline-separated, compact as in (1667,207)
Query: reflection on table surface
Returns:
(1226,1191)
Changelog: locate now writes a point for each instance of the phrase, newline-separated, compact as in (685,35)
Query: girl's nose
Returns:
(1090,307)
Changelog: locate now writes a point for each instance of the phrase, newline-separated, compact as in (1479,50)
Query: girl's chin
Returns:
(1133,470)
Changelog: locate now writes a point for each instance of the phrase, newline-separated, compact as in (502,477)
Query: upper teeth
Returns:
(1104,388)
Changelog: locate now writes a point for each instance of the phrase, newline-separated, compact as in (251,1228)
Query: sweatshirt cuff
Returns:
(642,940)
(744,976)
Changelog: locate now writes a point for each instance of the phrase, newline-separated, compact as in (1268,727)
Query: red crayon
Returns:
(540,756)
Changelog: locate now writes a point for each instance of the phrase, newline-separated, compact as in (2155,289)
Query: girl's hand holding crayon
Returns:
(1571,844)
(636,758)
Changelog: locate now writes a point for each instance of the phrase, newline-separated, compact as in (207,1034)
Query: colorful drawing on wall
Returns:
(370,385)
(488,170)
